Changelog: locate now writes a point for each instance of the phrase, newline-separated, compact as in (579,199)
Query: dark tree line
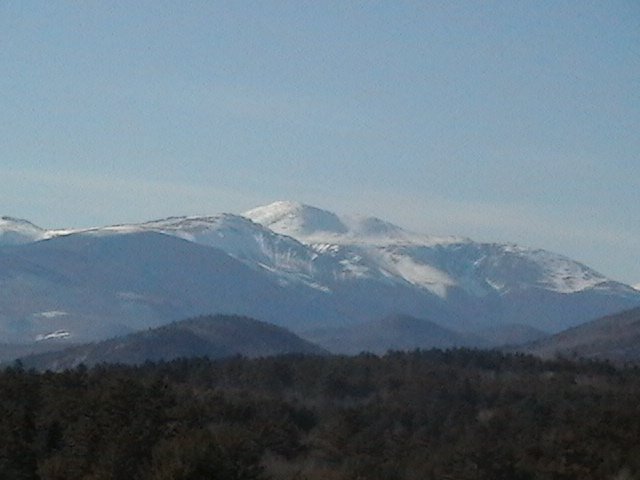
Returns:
(459,414)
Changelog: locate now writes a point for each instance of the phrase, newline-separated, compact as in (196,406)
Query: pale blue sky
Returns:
(501,121)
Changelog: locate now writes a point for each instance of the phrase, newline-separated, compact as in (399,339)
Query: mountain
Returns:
(312,225)
(470,285)
(614,337)
(14,231)
(288,263)
(17,231)
(395,332)
(216,336)
(11,351)
(92,286)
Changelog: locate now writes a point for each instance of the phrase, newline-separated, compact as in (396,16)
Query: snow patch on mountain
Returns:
(51,314)
(415,272)
(53,335)
(562,274)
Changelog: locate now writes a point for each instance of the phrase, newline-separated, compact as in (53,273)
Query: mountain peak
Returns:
(374,227)
(15,231)
(298,219)
(7,221)
(295,218)
(312,225)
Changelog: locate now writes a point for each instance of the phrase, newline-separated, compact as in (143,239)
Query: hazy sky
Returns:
(502,121)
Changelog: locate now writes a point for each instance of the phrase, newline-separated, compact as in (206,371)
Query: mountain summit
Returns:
(297,219)
(314,225)
(15,231)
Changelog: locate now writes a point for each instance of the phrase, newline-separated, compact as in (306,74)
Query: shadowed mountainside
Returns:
(207,336)
(395,332)
(614,337)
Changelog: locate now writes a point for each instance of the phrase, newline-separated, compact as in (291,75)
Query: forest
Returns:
(456,414)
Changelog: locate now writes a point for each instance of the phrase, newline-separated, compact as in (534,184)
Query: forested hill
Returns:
(459,414)
(614,337)
(213,336)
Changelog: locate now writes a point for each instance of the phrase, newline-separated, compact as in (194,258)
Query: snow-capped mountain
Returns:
(435,264)
(312,225)
(481,284)
(288,263)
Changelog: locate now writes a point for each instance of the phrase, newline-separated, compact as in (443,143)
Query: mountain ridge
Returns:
(301,226)
(613,337)
(393,332)
(213,336)
(308,266)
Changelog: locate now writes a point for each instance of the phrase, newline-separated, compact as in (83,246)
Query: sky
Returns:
(509,121)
